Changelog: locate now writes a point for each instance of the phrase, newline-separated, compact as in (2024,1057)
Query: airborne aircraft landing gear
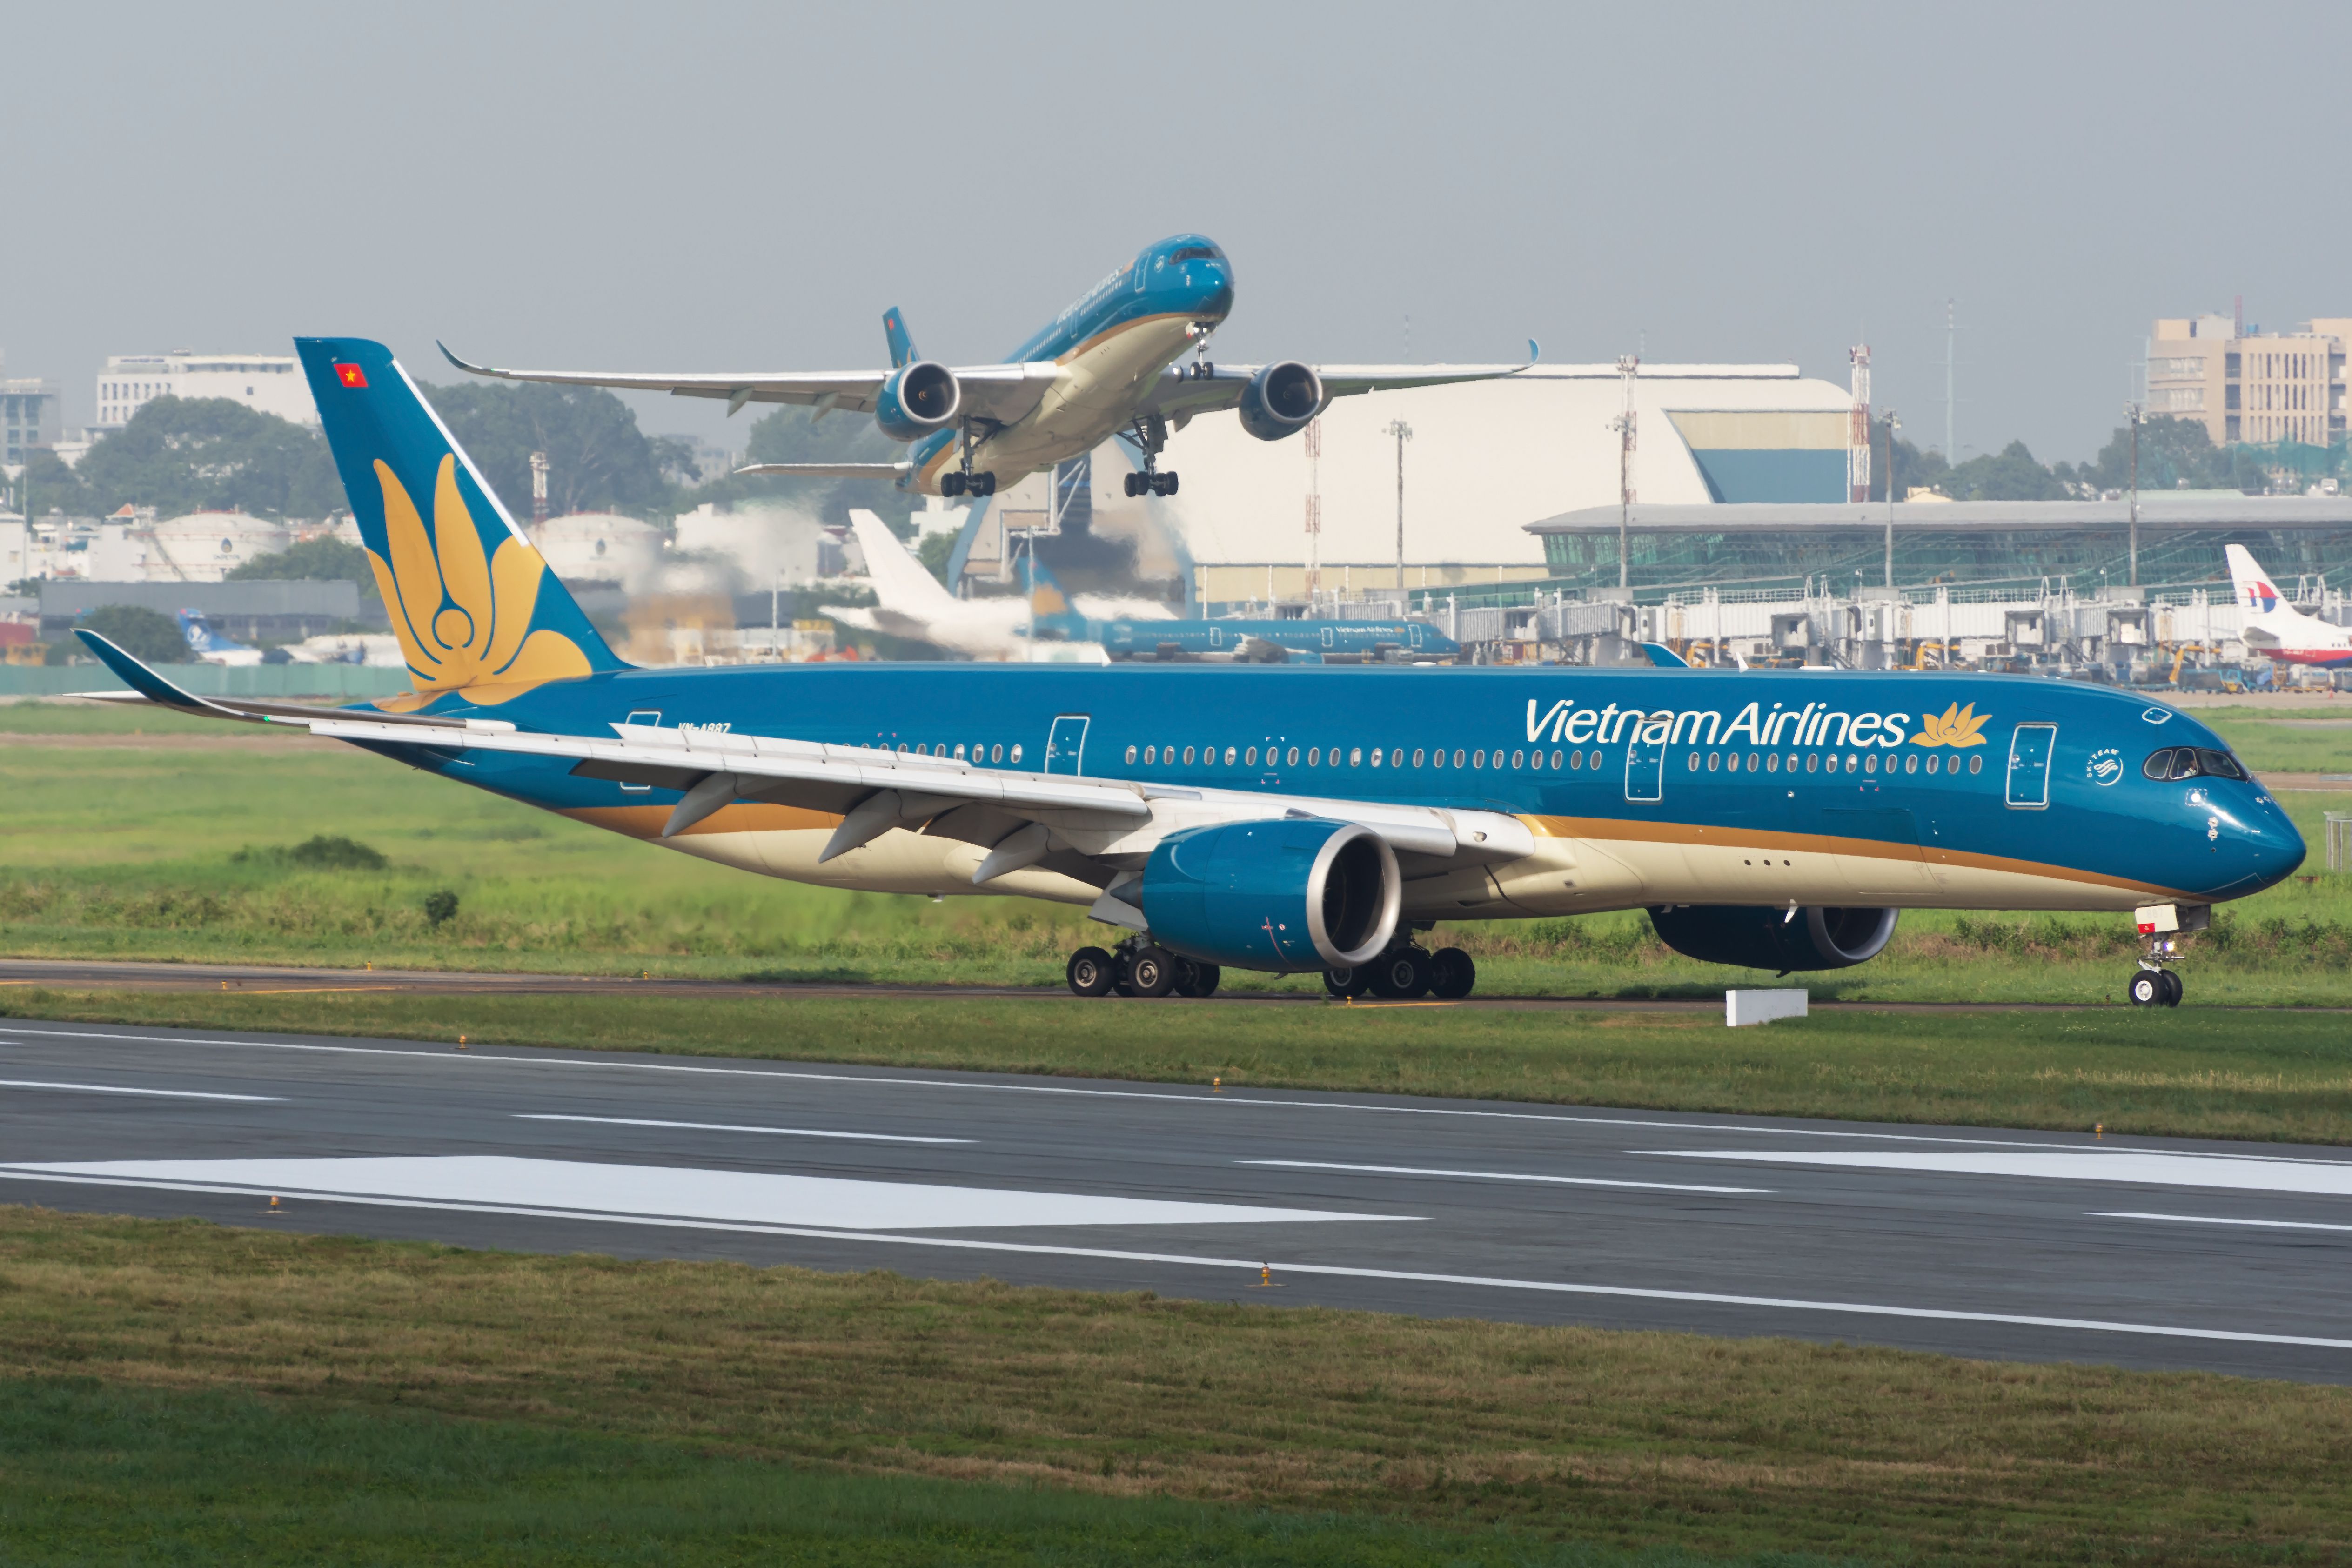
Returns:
(963,481)
(1148,435)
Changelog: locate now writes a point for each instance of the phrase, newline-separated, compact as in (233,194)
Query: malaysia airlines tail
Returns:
(472,601)
(2277,628)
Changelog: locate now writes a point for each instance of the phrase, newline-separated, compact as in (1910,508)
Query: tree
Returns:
(598,460)
(47,486)
(313,560)
(934,552)
(149,636)
(2174,454)
(2011,474)
(210,454)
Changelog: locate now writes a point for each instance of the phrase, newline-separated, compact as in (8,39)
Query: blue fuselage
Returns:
(1148,639)
(1960,791)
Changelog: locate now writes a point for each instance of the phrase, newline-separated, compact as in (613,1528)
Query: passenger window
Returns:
(1555,761)
(1293,755)
(1870,764)
(1355,756)
(1976,764)
(1130,753)
(1772,764)
(1575,762)
(1812,761)
(1419,756)
(1714,760)
(1457,759)
(1596,760)
(1396,758)
(1016,752)
(1188,756)
(1693,761)
(1314,756)
(1250,756)
(1229,756)
(1377,758)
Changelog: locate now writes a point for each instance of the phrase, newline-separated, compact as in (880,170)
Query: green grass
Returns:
(2296,740)
(94,1473)
(2282,1075)
(188,1393)
(185,852)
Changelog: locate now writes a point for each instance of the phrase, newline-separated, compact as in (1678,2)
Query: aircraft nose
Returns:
(1213,291)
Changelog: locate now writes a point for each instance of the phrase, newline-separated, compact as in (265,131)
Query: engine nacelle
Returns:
(1280,399)
(1288,895)
(1773,938)
(916,400)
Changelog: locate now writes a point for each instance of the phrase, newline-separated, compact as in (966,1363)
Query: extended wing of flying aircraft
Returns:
(1105,366)
(1283,819)
(2272,626)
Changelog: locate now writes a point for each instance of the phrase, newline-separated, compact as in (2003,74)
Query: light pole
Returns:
(1894,423)
(2134,413)
(1403,433)
(1627,366)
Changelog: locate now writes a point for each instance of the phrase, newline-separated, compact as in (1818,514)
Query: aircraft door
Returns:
(1646,764)
(1216,637)
(1329,635)
(1413,633)
(2029,765)
(651,716)
(1065,743)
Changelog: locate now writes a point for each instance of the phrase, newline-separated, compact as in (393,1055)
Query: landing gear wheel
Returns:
(984,484)
(952,485)
(1402,976)
(1160,484)
(1150,971)
(2171,987)
(2147,988)
(1171,485)
(1450,974)
(1135,483)
(1089,973)
(1197,979)
(1346,985)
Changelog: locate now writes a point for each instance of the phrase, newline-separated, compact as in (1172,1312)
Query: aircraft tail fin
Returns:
(1052,610)
(902,345)
(900,581)
(2255,594)
(473,602)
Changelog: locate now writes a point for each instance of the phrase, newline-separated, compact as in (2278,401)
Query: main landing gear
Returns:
(963,481)
(1138,967)
(1148,435)
(1404,973)
(1151,482)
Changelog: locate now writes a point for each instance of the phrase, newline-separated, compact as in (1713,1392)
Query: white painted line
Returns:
(2145,1167)
(154,1093)
(727,1127)
(1495,1176)
(2206,1220)
(758,1197)
(1198,1098)
(1252,1264)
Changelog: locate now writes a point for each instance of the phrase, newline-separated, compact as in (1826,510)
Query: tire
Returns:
(1450,974)
(1150,971)
(1402,976)
(2172,988)
(1347,984)
(1172,486)
(2146,989)
(1204,980)
(1089,973)
(1132,482)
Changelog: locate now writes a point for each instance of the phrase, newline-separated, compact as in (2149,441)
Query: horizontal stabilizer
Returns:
(830,470)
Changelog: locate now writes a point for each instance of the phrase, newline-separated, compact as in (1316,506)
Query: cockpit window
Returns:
(2192,762)
(1195,253)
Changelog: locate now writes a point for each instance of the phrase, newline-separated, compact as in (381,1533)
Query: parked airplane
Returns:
(1037,627)
(1280,818)
(208,646)
(1263,641)
(2277,628)
(1105,366)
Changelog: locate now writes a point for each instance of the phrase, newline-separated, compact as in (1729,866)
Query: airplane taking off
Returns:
(2277,629)
(1105,366)
(1280,818)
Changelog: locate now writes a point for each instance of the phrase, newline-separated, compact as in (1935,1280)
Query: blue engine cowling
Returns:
(1772,938)
(916,400)
(1280,399)
(1287,895)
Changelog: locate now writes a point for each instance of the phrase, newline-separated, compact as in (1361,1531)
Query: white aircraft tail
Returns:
(900,580)
(2256,595)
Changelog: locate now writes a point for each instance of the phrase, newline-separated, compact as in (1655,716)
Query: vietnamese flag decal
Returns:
(351,375)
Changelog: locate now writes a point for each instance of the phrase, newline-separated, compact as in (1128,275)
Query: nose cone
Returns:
(2250,843)
(2281,848)
(1212,290)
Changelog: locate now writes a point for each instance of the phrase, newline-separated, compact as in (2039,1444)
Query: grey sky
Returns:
(717,187)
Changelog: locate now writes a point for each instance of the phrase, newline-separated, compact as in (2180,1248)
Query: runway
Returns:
(2142,1252)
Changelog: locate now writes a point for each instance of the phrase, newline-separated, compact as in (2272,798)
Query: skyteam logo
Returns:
(2261,597)
(2105,766)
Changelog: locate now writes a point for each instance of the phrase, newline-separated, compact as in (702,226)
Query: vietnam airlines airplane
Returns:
(1278,817)
(2274,627)
(1105,366)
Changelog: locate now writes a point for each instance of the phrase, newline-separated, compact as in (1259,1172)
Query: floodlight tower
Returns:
(1403,433)
(1314,509)
(538,488)
(1857,441)
(2134,413)
(1628,366)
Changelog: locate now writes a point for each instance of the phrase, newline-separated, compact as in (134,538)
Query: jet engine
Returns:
(916,400)
(1280,399)
(1779,940)
(1289,895)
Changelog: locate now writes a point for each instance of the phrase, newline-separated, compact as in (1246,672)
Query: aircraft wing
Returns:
(1181,395)
(1000,394)
(829,470)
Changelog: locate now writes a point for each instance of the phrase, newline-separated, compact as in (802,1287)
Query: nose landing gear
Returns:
(2152,984)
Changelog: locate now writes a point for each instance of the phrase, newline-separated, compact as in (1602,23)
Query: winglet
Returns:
(1664,656)
(148,684)
(461,364)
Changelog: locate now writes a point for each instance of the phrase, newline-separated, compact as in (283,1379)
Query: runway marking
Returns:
(1203,1098)
(1495,1176)
(727,1127)
(759,1197)
(2144,1167)
(156,1093)
(2206,1220)
(1253,1265)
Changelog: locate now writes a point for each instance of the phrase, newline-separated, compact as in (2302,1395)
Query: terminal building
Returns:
(266,384)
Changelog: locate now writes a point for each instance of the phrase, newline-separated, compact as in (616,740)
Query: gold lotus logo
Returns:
(1956,726)
(462,621)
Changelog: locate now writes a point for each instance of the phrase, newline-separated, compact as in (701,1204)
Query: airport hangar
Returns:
(1485,460)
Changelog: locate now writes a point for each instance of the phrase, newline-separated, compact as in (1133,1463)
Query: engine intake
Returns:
(1774,939)
(918,400)
(1280,399)
(1288,895)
